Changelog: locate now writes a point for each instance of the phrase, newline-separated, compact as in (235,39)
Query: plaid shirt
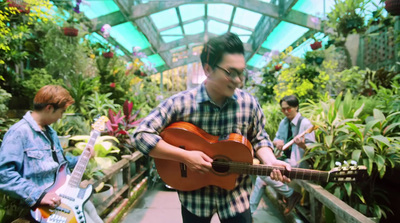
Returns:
(240,114)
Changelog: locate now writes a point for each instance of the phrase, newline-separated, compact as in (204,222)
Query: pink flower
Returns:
(112,85)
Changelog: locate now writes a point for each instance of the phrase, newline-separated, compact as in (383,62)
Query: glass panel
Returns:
(283,36)
(168,39)
(194,28)
(221,11)
(257,61)
(246,18)
(189,12)
(240,31)
(217,27)
(173,31)
(244,39)
(94,9)
(128,36)
(165,18)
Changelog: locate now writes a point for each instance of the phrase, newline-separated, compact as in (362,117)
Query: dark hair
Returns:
(216,47)
(291,100)
(54,95)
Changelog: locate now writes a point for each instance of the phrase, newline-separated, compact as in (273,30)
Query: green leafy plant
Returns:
(273,116)
(344,135)
(346,16)
(105,148)
(81,87)
(99,104)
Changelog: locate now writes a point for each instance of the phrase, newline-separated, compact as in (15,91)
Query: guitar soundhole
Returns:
(220,166)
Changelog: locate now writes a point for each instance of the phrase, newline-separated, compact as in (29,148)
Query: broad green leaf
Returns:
(380,162)
(80,138)
(370,151)
(356,130)
(355,155)
(358,111)
(382,139)
(390,127)
(347,105)
(378,114)
(348,188)
(370,125)
(328,141)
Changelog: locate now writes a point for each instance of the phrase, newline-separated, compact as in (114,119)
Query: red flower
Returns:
(278,67)
(112,85)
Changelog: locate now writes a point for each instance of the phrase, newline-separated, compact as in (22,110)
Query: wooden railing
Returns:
(319,196)
(129,179)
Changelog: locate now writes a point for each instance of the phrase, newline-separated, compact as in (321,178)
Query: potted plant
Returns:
(105,150)
(21,6)
(316,45)
(121,126)
(75,18)
(62,130)
(346,16)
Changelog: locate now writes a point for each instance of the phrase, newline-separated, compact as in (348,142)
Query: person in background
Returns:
(292,125)
(31,153)
(218,107)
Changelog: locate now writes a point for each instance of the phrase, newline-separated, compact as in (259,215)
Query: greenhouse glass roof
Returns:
(163,28)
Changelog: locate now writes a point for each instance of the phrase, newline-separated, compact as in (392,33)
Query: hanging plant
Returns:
(393,7)
(278,67)
(70,31)
(316,45)
(108,54)
(20,5)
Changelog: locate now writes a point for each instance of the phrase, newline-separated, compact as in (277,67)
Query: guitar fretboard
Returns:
(80,167)
(262,170)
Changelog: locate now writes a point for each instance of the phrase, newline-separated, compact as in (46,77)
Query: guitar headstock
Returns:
(100,123)
(348,173)
(312,128)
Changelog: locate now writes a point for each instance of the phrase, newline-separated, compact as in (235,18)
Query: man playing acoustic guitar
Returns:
(289,128)
(31,153)
(219,108)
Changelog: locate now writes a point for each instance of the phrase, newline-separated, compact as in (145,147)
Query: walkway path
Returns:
(160,204)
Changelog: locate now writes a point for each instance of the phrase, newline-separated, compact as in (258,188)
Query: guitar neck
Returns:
(263,170)
(77,173)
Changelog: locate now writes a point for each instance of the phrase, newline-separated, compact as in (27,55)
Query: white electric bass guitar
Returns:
(66,185)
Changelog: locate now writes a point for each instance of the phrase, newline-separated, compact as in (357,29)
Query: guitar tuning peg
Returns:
(345,163)
(353,163)
(337,163)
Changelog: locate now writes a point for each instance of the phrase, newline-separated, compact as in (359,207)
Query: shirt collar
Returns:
(296,118)
(202,95)
(29,119)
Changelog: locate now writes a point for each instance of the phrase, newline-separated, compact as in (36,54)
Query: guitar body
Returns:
(233,147)
(232,155)
(72,201)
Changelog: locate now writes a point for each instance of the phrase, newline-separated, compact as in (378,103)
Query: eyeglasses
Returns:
(288,109)
(233,74)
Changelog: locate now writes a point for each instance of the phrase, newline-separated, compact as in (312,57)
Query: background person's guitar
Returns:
(67,187)
(232,155)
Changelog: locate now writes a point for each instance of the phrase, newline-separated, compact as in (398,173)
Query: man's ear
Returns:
(207,69)
(49,108)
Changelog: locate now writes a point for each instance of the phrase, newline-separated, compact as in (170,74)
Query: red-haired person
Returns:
(31,153)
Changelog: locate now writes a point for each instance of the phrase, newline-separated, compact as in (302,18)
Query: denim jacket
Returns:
(27,167)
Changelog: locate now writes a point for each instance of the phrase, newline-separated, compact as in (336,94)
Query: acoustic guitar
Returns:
(66,185)
(232,155)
